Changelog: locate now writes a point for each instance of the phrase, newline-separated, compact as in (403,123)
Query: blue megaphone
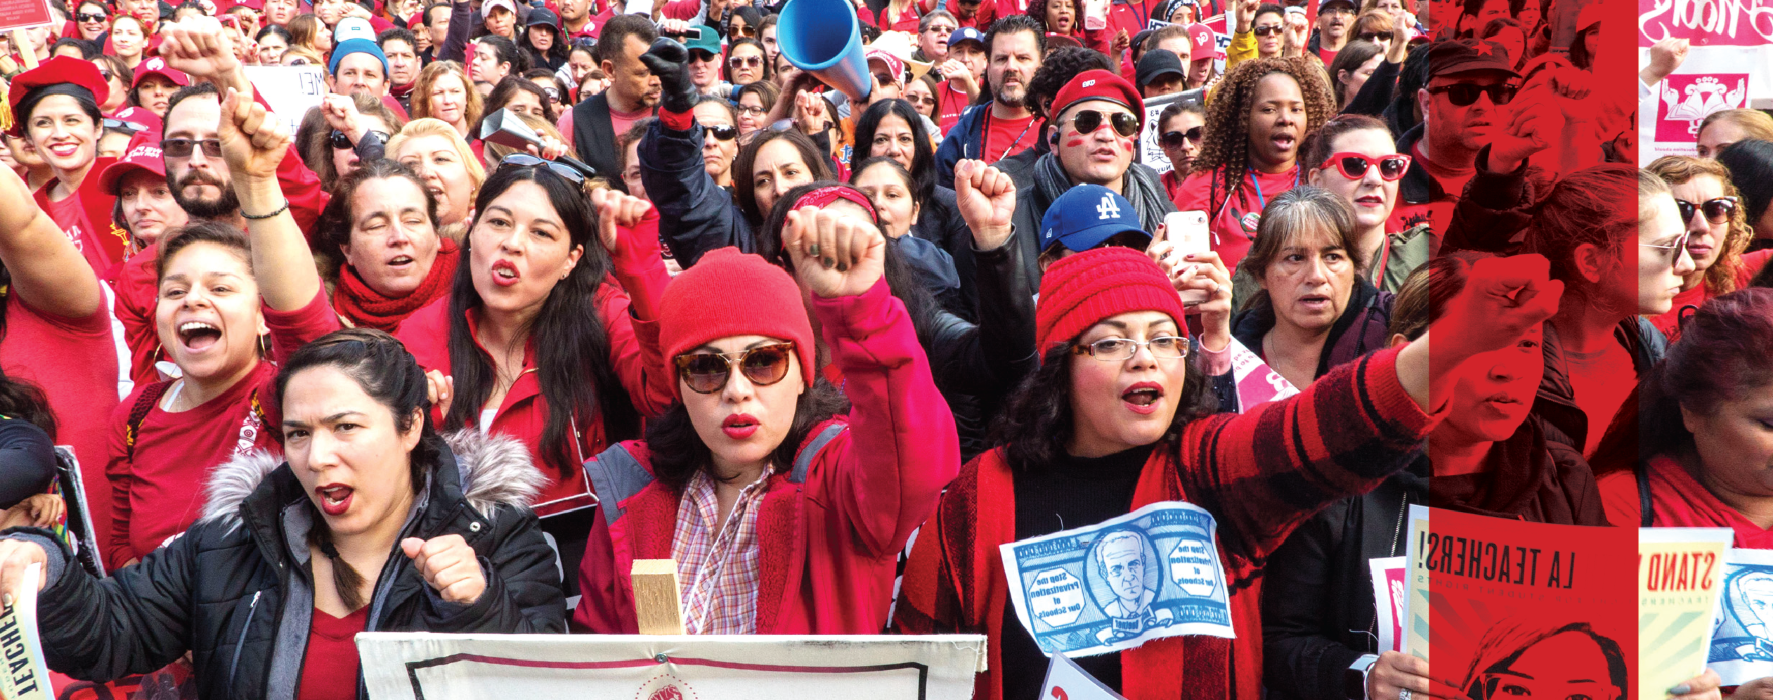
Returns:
(824,38)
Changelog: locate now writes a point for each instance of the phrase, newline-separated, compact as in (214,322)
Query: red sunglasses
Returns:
(1354,165)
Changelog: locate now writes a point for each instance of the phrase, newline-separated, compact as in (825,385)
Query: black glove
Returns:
(669,60)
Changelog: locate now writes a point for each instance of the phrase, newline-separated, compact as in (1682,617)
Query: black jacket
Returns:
(1556,402)
(1364,327)
(236,590)
(594,137)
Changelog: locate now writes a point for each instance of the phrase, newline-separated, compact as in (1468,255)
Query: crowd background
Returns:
(382,372)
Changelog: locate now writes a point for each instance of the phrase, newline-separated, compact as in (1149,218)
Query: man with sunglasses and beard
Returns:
(1093,133)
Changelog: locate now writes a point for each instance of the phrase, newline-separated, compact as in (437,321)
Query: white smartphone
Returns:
(1187,232)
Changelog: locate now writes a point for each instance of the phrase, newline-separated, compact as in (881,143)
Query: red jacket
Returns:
(137,291)
(633,333)
(1261,474)
(1677,499)
(828,546)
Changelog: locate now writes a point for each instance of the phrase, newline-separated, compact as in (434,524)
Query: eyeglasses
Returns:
(925,100)
(1173,139)
(724,133)
(708,372)
(182,148)
(1464,94)
(1373,36)
(341,142)
(1163,347)
(1089,120)
(751,110)
(1717,211)
(745,61)
(89,18)
(1671,252)
(1268,30)
(1354,165)
(107,75)
(525,160)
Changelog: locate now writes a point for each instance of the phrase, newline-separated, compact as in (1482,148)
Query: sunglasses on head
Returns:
(1089,120)
(724,133)
(525,160)
(1268,30)
(1354,165)
(1173,139)
(553,93)
(745,61)
(1716,211)
(182,148)
(708,372)
(1464,94)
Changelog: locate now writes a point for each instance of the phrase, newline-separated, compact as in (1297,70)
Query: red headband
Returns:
(823,196)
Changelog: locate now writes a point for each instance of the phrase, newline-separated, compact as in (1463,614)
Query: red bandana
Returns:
(367,308)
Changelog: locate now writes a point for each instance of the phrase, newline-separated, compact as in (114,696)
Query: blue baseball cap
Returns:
(1085,216)
(966,34)
(351,46)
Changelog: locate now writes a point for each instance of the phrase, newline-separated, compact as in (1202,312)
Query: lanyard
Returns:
(985,139)
(1263,203)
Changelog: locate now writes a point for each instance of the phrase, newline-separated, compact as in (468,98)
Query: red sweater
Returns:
(1676,500)
(631,324)
(138,293)
(1261,474)
(159,492)
(827,548)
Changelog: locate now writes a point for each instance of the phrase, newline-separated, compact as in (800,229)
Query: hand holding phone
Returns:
(1187,232)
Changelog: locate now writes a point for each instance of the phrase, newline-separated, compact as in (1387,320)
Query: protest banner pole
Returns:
(658,604)
(18,41)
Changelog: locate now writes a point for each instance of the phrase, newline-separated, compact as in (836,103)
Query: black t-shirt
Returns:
(1076,492)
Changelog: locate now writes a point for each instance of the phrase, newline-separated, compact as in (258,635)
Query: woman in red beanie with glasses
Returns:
(784,508)
(1116,419)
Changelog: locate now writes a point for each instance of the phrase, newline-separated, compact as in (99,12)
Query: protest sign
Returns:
(1680,570)
(20,14)
(1068,681)
(1742,630)
(1389,595)
(417,665)
(1527,606)
(25,676)
(1149,574)
(1729,39)
(290,90)
(1257,383)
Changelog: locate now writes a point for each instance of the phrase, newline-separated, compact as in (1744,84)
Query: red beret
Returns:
(57,70)
(1098,85)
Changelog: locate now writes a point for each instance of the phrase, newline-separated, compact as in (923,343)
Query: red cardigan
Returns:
(633,333)
(1252,471)
(827,547)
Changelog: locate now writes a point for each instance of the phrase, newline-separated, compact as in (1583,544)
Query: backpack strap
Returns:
(803,462)
(615,476)
(1646,516)
(139,412)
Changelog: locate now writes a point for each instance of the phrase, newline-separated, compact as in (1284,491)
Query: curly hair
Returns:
(1227,123)
(1720,278)
(1037,9)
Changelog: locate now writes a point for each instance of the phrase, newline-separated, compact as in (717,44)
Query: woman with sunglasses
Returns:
(552,87)
(535,342)
(746,62)
(758,435)
(721,145)
(449,167)
(1117,418)
(1354,158)
(1180,128)
(1717,235)
(360,127)
(742,23)
(1257,120)
(92,19)
(1258,31)
(117,77)
(227,313)
(56,108)
(128,40)
(921,93)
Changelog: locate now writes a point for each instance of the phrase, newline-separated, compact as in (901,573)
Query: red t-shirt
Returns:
(621,122)
(1327,55)
(329,672)
(1007,137)
(159,493)
(1676,500)
(138,292)
(1601,381)
(1233,224)
(70,215)
(950,102)
(906,21)
(1670,323)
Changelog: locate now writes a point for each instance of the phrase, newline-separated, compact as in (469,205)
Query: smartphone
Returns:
(1187,232)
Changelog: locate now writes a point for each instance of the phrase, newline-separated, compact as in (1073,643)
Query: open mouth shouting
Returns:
(335,499)
(198,336)
(505,274)
(1142,398)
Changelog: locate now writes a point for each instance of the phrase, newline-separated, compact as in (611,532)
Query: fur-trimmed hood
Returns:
(495,470)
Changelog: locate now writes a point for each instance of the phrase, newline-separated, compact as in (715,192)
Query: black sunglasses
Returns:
(1173,139)
(708,372)
(1464,94)
(120,125)
(724,133)
(1269,30)
(1373,36)
(525,160)
(1717,210)
(89,18)
(1089,120)
(340,142)
(182,148)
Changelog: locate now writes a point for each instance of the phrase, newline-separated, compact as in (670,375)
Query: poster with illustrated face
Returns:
(1680,573)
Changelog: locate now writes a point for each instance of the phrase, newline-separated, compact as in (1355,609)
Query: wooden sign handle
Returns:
(658,605)
(24,49)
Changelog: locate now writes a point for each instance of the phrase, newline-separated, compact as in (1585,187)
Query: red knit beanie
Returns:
(1081,290)
(729,293)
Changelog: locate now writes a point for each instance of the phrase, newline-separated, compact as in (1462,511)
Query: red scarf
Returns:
(364,307)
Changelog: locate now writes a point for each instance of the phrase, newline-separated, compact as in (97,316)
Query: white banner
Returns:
(290,90)
(414,665)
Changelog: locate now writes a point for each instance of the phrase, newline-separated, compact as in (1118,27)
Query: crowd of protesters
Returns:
(386,370)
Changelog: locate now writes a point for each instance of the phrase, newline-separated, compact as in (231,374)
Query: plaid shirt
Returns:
(718,569)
